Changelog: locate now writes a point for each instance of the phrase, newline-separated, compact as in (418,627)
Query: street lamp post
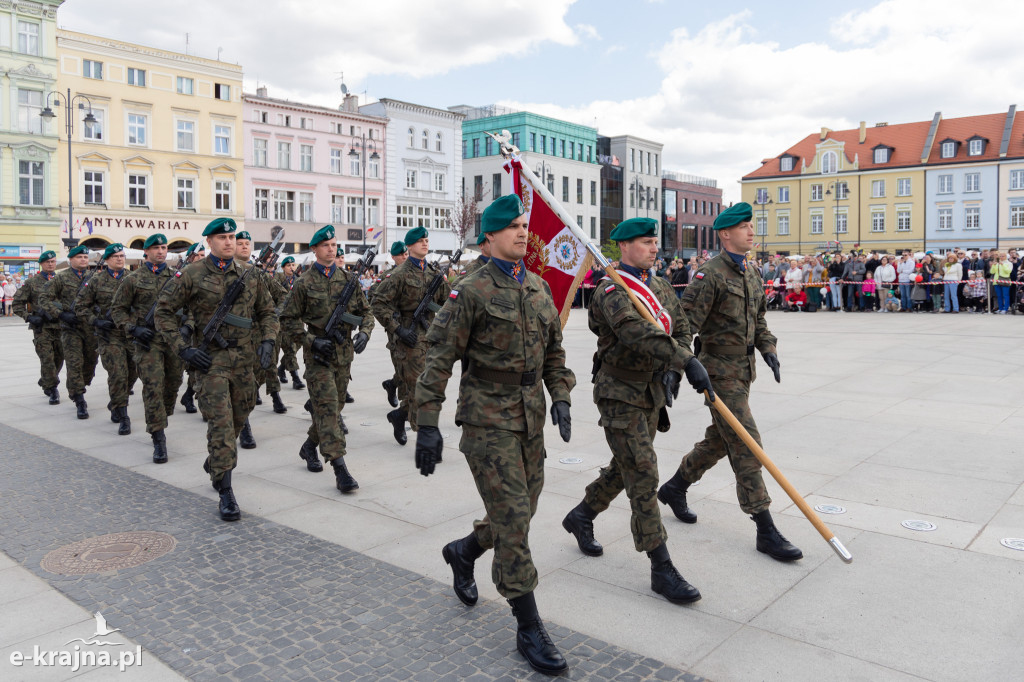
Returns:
(834,185)
(764,218)
(69,126)
(362,160)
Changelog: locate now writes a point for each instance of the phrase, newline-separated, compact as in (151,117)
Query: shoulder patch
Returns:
(609,288)
(178,273)
(454,294)
(699,275)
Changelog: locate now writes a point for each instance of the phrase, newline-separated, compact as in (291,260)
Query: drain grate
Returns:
(915,524)
(829,509)
(1013,543)
(111,552)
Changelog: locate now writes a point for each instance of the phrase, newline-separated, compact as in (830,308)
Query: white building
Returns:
(641,162)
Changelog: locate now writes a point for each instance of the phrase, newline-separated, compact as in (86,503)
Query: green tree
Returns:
(611,250)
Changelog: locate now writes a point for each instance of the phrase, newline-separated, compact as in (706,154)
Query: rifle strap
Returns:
(349,318)
(236,321)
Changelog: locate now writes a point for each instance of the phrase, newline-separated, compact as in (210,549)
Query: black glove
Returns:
(265,353)
(47,316)
(34,321)
(68,317)
(663,422)
(428,449)
(186,333)
(323,347)
(670,380)
(560,418)
(359,342)
(196,357)
(143,334)
(408,336)
(773,361)
(104,325)
(698,377)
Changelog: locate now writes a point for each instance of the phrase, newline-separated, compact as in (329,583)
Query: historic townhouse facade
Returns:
(690,204)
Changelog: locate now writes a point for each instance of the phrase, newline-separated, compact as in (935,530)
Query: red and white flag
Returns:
(553,251)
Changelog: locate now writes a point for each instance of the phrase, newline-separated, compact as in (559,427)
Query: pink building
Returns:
(304,168)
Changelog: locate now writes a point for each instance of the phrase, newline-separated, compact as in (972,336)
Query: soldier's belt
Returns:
(236,321)
(628,374)
(507,378)
(727,350)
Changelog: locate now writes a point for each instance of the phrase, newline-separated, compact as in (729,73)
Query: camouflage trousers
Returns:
(508,467)
(122,372)
(721,441)
(409,364)
(288,359)
(630,432)
(51,355)
(269,376)
(81,356)
(400,390)
(225,398)
(160,370)
(326,385)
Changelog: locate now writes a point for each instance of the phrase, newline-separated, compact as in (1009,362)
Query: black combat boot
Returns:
(115,413)
(343,478)
(397,419)
(259,400)
(666,581)
(460,555)
(245,438)
(124,427)
(341,424)
(580,522)
(228,507)
(532,640)
(278,404)
(673,493)
(296,381)
(188,401)
(54,396)
(159,446)
(770,540)
(308,453)
(81,406)
(282,375)
(392,390)
(349,398)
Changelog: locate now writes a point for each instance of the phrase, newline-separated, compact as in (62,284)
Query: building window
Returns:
(137,77)
(374,168)
(590,154)
(186,138)
(373,212)
(306,207)
(259,152)
(28,38)
(221,140)
(94,131)
(786,164)
(948,150)
(882,155)
(829,163)
(841,223)
(972,182)
(877,188)
(284,120)
(425,142)
(565,188)
(903,220)
(476,148)
(842,190)
(92,69)
(975,147)
(186,198)
(903,187)
(478,187)
(221,91)
(877,221)
(1017,179)
(579,191)
(439,182)
(262,204)
(354,211)
(412,138)
(762,226)
(337,208)
(784,195)
(562,148)
(760,197)
(543,144)
(137,190)
(423,217)
(222,195)
(572,149)
(410,179)
(496,186)
(1017,216)
(306,158)
(354,167)
(93,187)
(284,155)
(593,193)
(972,218)
(816,193)
(185,85)
(817,223)
(488,146)
(336,161)
(30,105)
(284,205)
(533,142)
(783,225)
(945,184)
(946,218)
(137,124)
(404,215)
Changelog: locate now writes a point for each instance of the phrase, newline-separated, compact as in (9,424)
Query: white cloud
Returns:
(587,32)
(612,49)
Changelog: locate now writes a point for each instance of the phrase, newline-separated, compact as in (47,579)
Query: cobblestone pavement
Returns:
(256,600)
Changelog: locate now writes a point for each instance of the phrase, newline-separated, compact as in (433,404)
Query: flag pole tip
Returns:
(843,553)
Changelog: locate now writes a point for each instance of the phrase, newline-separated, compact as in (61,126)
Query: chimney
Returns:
(351,103)
(261,91)
(824,132)
(863,132)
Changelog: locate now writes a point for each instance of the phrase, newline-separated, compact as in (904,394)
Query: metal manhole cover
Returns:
(1013,543)
(918,525)
(830,509)
(108,552)
(571,460)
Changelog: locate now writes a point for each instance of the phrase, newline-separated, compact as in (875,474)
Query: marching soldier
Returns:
(394,387)
(194,253)
(93,306)
(503,321)
(226,385)
(485,255)
(328,363)
(636,364)
(159,367)
(393,306)
(28,306)
(79,343)
(725,304)
(277,294)
(289,363)
(243,249)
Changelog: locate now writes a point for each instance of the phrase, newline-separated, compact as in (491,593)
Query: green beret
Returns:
(734,215)
(501,213)
(198,246)
(112,249)
(287,260)
(633,228)
(47,255)
(243,235)
(398,248)
(323,234)
(414,235)
(481,239)
(81,248)
(220,226)
(340,252)
(154,240)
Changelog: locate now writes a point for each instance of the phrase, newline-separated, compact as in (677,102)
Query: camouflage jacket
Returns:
(628,342)
(474,265)
(60,295)
(276,290)
(312,301)
(199,290)
(498,325)
(136,295)
(396,298)
(28,299)
(726,306)
(286,282)
(97,296)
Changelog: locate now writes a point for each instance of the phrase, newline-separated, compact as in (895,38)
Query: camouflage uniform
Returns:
(288,359)
(511,336)
(396,379)
(94,302)
(474,265)
(227,391)
(78,342)
(629,394)
(159,367)
(726,306)
(393,305)
(45,338)
(277,293)
(311,303)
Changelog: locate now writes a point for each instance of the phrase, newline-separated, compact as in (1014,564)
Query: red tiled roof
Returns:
(989,126)
(1016,148)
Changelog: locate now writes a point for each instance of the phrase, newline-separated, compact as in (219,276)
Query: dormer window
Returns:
(948,149)
(786,164)
(883,154)
(829,163)
(976,145)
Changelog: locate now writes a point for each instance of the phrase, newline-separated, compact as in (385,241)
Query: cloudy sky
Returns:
(722,84)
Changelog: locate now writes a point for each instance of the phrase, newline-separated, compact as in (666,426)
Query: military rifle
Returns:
(341,316)
(427,302)
(148,320)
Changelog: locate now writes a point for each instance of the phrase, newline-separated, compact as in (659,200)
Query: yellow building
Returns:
(166,152)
